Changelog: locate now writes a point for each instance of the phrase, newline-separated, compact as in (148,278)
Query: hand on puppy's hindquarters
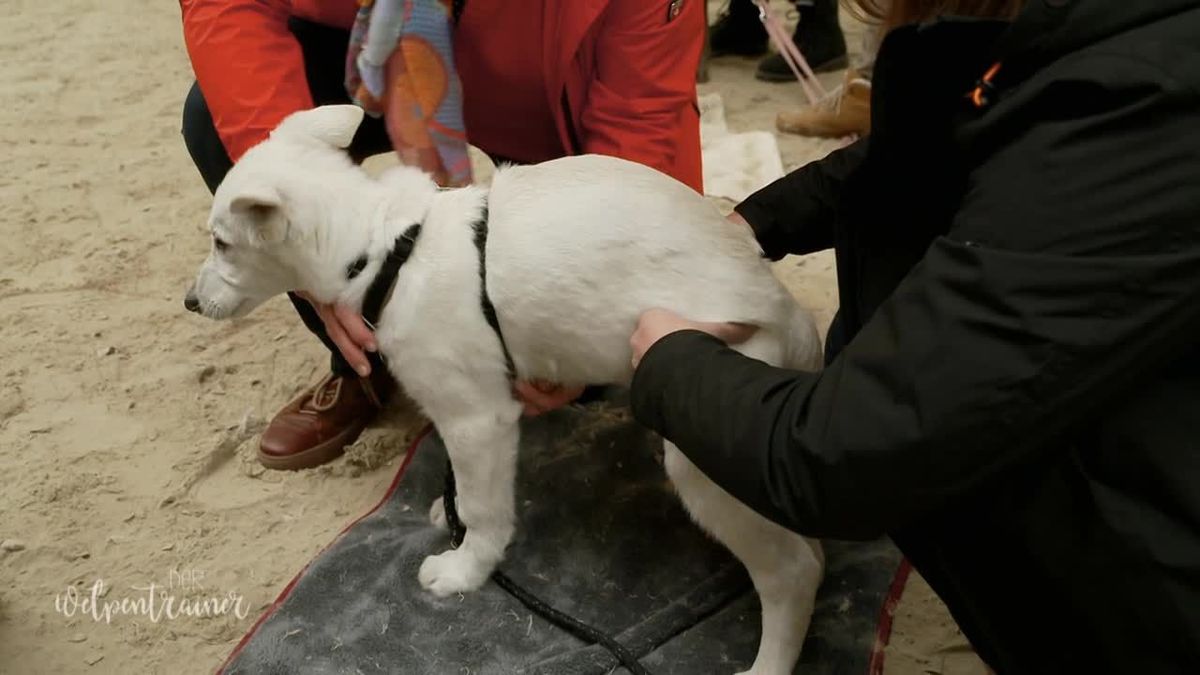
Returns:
(539,396)
(655,324)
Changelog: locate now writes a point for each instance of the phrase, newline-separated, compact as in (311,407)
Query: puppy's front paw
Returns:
(437,515)
(452,572)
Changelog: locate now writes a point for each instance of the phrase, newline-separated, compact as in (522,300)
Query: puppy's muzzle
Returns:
(191,302)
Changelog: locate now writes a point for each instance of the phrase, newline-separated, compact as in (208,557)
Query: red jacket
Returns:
(620,74)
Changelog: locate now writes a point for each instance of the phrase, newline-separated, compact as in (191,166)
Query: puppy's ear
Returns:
(261,208)
(332,124)
(256,202)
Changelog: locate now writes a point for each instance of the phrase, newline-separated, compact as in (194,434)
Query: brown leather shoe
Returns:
(317,425)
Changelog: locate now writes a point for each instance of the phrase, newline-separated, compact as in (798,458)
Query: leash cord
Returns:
(579,629)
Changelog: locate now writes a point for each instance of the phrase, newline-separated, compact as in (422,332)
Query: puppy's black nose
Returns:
(191,302)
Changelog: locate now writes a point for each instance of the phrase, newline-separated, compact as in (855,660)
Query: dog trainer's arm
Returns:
(248,64)
(795,214)
(645,87)
(1060,284)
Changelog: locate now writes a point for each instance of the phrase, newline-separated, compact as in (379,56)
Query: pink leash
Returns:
(791,54)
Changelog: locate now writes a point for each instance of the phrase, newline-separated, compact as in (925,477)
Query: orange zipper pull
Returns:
(984,86)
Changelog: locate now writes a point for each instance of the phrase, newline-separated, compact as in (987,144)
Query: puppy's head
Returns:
(268,205)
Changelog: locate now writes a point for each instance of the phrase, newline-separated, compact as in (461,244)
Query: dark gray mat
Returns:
(601,537)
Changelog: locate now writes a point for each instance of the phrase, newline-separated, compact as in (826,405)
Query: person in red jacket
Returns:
(541,79)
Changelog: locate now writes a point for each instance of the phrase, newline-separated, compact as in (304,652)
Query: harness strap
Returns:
(380,290)
(489,310)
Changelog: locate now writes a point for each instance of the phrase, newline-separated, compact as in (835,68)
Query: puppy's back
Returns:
(618,224)
(609,239)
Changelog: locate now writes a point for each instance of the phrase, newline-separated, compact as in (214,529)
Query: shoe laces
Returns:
(325,395)
(832,100)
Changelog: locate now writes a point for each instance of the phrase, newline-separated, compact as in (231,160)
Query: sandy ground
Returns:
(127,426)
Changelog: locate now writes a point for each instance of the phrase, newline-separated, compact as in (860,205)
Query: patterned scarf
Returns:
(400,66)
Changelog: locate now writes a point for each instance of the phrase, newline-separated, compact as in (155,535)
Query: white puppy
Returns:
(576,250)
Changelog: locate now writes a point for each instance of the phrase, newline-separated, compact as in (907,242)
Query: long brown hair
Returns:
(892,13)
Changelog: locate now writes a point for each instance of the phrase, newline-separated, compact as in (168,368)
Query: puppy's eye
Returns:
(220,244)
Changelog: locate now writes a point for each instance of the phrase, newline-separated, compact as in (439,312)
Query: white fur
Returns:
(577,249)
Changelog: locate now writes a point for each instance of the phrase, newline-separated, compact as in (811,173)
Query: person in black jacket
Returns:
(1012,390)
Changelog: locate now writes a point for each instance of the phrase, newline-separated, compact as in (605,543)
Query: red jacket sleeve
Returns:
(248,64)
(641,105)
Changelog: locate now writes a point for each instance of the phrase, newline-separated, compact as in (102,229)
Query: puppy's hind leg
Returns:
(477,420)
(785,567)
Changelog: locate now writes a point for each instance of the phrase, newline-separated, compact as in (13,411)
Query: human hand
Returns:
(348,331)
(655,324)
(539,396)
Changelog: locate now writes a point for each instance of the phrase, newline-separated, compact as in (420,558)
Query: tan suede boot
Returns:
(846,112)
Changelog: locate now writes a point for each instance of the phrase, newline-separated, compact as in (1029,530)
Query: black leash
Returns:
(579,629)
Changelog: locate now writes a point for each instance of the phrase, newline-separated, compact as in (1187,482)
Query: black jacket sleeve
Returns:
(796,213)
(1071,270)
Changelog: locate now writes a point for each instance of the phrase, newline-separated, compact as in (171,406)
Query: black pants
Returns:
(324,51)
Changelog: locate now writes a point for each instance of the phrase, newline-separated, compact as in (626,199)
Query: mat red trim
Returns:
(887,613)
(412,450)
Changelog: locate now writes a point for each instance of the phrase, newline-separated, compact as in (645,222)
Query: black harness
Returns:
(380,290)
(376,297)
(489,310)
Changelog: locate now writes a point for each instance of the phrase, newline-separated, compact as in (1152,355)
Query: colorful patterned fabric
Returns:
(400,65)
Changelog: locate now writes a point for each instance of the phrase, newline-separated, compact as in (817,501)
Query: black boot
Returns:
(738,31)
(819,37)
